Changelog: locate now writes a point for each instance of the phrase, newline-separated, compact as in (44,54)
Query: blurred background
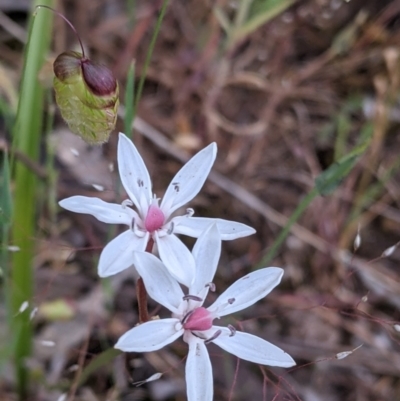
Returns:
(289,90)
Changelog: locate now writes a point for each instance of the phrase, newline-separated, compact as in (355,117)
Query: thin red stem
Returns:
(68,22)
(141,292)
(150,244)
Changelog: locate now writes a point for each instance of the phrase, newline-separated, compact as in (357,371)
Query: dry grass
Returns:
(276,102)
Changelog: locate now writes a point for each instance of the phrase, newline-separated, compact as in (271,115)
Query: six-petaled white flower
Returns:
(152,220)
(195,322)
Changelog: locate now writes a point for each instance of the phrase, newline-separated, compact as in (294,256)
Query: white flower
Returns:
(152,221)
(195,323)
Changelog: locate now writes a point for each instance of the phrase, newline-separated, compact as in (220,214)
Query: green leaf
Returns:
(222,19)
(262,13)
(5,193)
(26,139)
(98,362)
(331,178)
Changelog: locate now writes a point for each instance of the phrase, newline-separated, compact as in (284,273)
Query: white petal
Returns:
(150,336)
(118,254)
(160,285)
(247,290)
(134,175)
(110,213)
(206,253)
(176,258)
(189,179)
(199,380)
(252,348)
(194,226)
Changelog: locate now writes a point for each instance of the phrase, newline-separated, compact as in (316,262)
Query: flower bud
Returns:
(87,95)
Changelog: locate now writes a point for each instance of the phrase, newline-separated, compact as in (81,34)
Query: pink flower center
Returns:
(154,219)
(200,319)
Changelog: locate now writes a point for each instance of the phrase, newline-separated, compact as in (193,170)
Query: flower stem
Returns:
(141,292)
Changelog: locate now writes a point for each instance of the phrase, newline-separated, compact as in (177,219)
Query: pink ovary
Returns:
(154,219)
(201,319)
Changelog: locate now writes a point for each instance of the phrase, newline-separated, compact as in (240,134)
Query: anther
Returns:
(186,317)
(192,298)
(171,228)
(231,301)
(126,202)
(199,335)
(211,286)
(232,330)
(213,337)
(189,212)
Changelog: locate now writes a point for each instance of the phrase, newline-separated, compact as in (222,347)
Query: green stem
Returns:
(141,292)
(150,53)
(26,139)
(129,101)
(284,233)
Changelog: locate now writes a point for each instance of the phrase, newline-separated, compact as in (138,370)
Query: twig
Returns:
(12,28)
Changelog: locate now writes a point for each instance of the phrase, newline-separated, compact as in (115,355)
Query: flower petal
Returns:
(252,348)
(160,285)
(247,291)
(188,180)
(194,226)
(206,253)
(176,258)
(199,380)
(118,254)
(150,336)
(134,175)
(110,213)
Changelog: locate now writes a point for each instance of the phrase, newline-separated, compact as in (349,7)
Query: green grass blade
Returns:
(285,231)
(268,10)
(5,222)
(325,184)
(329,179)
(7,114)
(5,193)
(150,53)
(101,360)
(129,101)
(26,138)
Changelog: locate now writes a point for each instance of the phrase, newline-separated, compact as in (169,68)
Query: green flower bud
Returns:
(87,95)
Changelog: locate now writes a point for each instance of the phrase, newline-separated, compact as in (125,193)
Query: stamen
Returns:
(213,337)
(186,317)
(133,224)
(126,202)
(171,228)
(211,286)
(189,212)
(232,330)
(199,335)
(231,301)
(192,298)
